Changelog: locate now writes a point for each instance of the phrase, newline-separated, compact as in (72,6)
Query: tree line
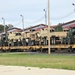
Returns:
(9,26)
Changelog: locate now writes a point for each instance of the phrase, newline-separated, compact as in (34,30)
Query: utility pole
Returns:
(49,51)
(45,16)
(3,23)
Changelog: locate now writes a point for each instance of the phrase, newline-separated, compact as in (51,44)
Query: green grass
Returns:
(38,60)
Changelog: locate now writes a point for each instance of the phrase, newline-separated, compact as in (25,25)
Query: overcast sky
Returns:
(61,11)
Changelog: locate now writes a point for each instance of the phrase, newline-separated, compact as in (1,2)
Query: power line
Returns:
(63,16)
(38,20)
(18,23)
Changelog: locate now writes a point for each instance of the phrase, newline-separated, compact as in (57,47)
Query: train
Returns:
(35,42)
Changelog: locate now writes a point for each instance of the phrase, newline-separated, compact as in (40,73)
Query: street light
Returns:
(22,21)
(73,5)
(3,23)
(45,16)
(49,27)
(23,26)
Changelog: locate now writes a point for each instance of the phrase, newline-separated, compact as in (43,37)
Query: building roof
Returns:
(14,29)
(37,27)
(67,25)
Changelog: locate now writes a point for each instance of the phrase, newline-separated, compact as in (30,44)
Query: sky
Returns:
(61,11)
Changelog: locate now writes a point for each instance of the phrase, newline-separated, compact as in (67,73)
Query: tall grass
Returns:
(38,60)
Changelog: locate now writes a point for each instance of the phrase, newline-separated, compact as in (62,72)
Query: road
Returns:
(19,70)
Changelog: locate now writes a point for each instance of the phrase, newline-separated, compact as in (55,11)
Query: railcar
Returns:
(20,42)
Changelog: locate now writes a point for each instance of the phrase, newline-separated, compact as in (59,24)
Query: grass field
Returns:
(59,61)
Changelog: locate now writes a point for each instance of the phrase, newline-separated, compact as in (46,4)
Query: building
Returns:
(41,30)
(66,26)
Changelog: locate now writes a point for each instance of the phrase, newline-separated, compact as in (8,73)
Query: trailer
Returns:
(40,48)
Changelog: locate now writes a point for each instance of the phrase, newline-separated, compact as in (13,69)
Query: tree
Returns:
(1,27)
(59,28)
(9,26)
